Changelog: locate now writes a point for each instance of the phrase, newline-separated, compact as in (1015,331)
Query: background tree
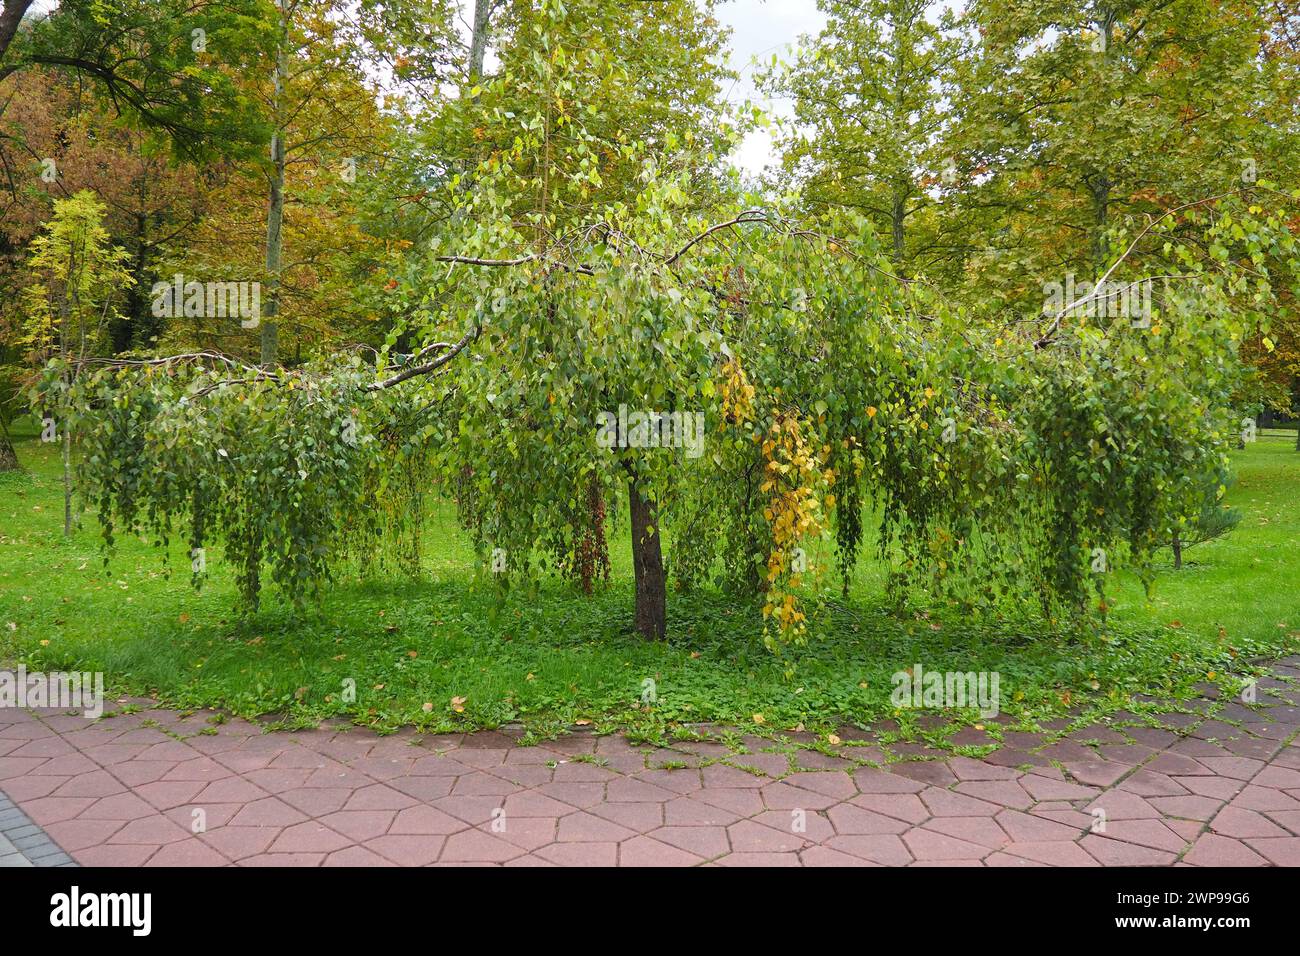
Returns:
(1072,116)
(869,116)
(170,64)
(71,306)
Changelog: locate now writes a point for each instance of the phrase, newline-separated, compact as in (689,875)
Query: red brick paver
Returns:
(154,788)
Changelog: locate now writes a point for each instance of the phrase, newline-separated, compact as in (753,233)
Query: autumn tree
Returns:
(79,277)
(170,64)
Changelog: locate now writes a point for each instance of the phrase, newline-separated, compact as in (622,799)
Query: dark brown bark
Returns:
(1178,552)
(9,20)
(648,567)
(8,457)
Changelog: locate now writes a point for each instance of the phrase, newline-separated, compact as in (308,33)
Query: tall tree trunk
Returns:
(134,327)
(479,38)
(902,184)
(275,208)
(1101,184)
(1100,211)
(648,567)
(1178,552)
(898,219)
(67,481)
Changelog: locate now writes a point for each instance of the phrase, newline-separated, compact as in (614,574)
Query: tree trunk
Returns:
(8,457)
(478,39)
(1100,211)
(10,18)
(1178,552)
(275,208)
(898,217)
(648,567)
(67,481)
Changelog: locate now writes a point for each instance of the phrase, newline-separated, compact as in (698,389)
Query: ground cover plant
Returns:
(553,659)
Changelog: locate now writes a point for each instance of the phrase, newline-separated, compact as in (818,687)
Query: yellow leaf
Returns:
(428,706)
(759,719)
(832,739)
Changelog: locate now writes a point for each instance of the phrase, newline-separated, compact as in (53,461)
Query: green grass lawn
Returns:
(549,657)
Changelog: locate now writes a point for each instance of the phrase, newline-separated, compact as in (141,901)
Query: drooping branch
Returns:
(412,371)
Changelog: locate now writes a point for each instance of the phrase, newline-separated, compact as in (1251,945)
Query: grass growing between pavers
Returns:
(450,651)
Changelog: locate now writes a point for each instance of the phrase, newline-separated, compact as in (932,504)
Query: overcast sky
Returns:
(761,28)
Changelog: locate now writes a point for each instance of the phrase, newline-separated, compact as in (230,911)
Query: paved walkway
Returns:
(23,843)
(153,788)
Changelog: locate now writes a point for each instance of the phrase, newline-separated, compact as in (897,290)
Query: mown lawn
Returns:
(418,650)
